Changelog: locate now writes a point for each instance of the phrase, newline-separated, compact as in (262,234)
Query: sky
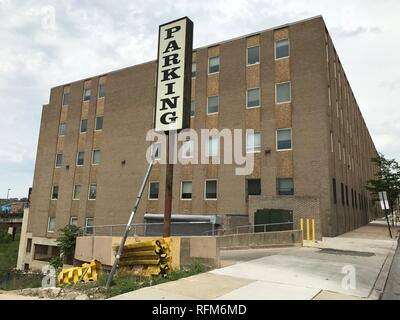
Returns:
(49,43)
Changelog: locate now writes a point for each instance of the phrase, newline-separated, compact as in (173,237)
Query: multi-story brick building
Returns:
(312,147)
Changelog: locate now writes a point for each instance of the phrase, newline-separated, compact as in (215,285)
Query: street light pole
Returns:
(8,192)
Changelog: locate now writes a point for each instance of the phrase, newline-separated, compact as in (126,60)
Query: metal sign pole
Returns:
(129,225)
(169,184)
(383,200)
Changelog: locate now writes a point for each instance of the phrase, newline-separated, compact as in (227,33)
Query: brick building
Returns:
(312,147)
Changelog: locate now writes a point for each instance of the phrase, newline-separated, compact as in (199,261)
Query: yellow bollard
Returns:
(302,227)
(313,229)
(308,228)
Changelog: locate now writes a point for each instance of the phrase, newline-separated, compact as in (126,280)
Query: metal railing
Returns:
(249,228)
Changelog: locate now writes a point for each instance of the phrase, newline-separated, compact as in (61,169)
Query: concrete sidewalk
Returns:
(315,271)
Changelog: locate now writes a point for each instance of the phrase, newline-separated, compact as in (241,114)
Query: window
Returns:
(253,187)
(212,146)
(73,221)
(84,123)
(192,108)
(87,92)
(80,158)
(102,91)
(156,150)
(342,192)
(77,192)
(89,226)
(212,104)
(65,101)
(352,198)
(96,155)
(28,245)
(253,142)
(51,224)
(61,129)
(187,149)
(186,190)
(194,70)
(281,49)
(211,189)
(54,193)
(92,191)
(283,92)
(59,158)
(284,139)
(99,123)
(153,190)
(347,196)
(213,65)
(334,190)
(253,55)
(253,98)
(285,186)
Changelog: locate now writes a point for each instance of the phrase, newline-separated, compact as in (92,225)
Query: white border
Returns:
(205,190)
(73,192)
(186,199)
(286,57)
(247,56)
(83,96)
(219,65)
(207,105)
(259,98)
(148,192)
(48,224)
(70,221)
(254,151)
(291,139)
(77,157)
(290,92)
(95,164)
(92,184)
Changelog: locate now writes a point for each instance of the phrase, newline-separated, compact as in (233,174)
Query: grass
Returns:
(126,283)
(8,255)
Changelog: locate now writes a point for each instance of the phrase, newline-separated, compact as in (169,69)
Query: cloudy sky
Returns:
(48,43)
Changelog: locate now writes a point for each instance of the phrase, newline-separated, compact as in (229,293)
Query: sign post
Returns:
(385,206)
(173,91)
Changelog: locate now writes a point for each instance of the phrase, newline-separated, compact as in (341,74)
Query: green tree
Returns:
(387,178)
(67,241)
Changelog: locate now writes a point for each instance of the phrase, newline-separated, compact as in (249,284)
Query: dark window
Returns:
(211,189)
(281,49)
(253,187)
(342,191)
(253,55)
(84,123)
(186,190)
(92,191)
(355,199)
(86,94)
(54,193)
(59,158)
(192,108)
(213,64)
(80,158)
(153,190)
(283,92)
(352,197)
(102,90)
(65,99)
(194,69)
(212,104)
(99,123)
(284,139)
(253,98)
(285,186)
(61,129)
(28,245)
(89,227)
(347,196)
(156,150)
(334,190)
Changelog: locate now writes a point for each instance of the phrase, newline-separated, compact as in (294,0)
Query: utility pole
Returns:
(8,192)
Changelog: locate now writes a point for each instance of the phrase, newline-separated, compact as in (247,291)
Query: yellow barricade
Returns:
(308,233)
(88,272)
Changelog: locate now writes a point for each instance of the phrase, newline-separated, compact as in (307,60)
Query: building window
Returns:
(253,98)
(96,155)
(253,187)
(80,158)
(352,198)
(77,192)
(51,224)
(102,90)
(211,190)
(283,92)
(334,190)
(186,190)
(194,69)
(342,192)
(84,123)
(87,92)
(54,193)
(61,129)
(73,221)
(284,139)
(28,245)
(212,104)
(153,190)
(213,65)
(281,49)
(347,195)
(99,123)
(187,149)
(285,186)
(192,108)
(59,158)
(65,101)
(253,142)
(89,225)
(212,146)
(92,191)
(156,150)
(253,55)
